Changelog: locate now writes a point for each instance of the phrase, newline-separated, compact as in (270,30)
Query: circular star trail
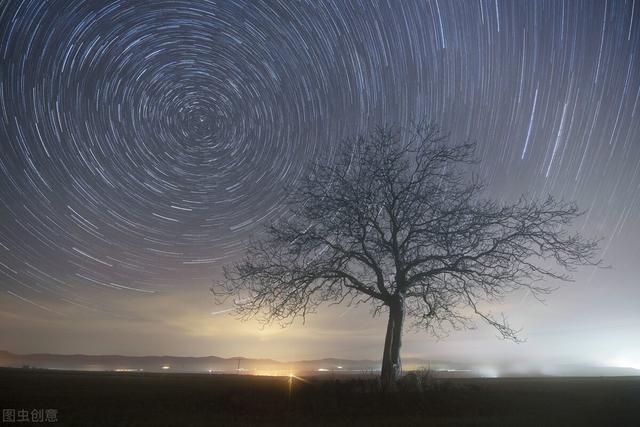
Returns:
(141,142)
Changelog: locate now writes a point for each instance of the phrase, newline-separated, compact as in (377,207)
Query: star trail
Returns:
(141,143)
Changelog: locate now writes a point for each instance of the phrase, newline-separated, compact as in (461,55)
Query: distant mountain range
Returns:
(180,364)
(213,364)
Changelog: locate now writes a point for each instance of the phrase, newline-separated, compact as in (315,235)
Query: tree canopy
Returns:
(395,219)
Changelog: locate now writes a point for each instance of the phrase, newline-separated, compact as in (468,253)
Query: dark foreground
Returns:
(144,399)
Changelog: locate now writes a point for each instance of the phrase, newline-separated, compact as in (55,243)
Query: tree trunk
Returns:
(391,364)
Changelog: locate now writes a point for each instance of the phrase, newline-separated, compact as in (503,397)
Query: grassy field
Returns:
(144,399)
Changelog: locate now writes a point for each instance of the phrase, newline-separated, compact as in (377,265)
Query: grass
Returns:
(146,399)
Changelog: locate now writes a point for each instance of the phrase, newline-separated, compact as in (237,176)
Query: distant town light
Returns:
(165,367)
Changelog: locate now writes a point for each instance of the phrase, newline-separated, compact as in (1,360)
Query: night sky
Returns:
(141,143)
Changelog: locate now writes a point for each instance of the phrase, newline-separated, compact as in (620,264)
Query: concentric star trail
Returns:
(142,142)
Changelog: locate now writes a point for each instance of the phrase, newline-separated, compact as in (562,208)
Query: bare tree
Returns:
(393,220)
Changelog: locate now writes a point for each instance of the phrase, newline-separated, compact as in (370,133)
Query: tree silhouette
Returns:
(394,220)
